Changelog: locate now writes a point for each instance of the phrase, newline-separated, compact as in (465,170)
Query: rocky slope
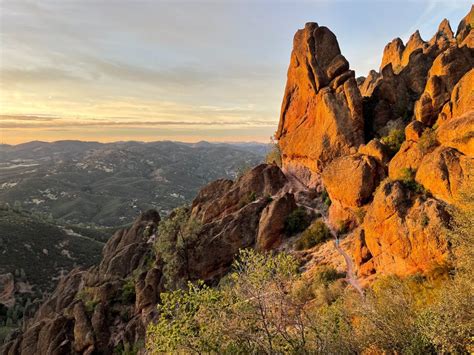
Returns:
(389,203)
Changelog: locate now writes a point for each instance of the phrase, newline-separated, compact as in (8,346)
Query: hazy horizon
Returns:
(183,71)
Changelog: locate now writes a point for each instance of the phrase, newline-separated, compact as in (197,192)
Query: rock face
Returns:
(222,197)
(272,222)
(464,35)
(462,99)
(89,312)
(445,173)
(457,133)
(403,233)
(321,114)
(445,72)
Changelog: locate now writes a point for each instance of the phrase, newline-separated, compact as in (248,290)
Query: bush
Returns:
(176,237)
(394,140)
(325,198)
(427,140)
(407,177)
(128,292)
(297,221)
(315,234)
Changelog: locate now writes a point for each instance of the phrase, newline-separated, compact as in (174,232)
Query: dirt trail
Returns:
(350,276)
(294,185)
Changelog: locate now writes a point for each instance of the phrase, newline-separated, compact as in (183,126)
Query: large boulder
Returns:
(220,240)
(410,154)
(458,133)
(352,179)
(271,228)
(224,197)
(403,232)
(321,114)
(445,172)
(350,182)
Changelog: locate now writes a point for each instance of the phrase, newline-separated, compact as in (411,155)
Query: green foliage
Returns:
(297,221)
(86,295)
(394,140)
(325,198)
(315,234)
(176,236)
(274,155)
(243,315)
(265,306)
(129,349)
(427,140)
(407,177)
(128,291)
(342,227)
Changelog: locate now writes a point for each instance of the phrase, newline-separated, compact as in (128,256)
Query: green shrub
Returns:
(427,140)
(297,221)
(394,140)
(342,227)
(176,237)
(407,177)
(316,233)
(128,292)
(325,198)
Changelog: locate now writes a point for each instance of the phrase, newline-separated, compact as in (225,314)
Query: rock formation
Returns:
(321,114)
(394,205)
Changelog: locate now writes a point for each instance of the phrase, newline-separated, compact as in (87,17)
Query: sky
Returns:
(108,70)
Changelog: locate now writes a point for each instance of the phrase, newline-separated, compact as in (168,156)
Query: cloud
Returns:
(28,122)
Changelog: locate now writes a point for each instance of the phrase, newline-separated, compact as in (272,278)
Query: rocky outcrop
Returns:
(446,173)
(321,113)
(458,133)
(392,54)
(224,197)
(443,38)
(445,72)
(462,99)
(272,222)
(93,311)
(464,33)
(403,233)
(410,154)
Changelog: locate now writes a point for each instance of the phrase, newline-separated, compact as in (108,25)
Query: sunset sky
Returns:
(180,70)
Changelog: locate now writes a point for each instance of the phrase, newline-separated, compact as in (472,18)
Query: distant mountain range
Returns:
(108,184)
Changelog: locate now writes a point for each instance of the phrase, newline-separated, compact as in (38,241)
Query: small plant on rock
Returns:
(407,177)
(427,140)
(394,140)
(297,221)
(315,234)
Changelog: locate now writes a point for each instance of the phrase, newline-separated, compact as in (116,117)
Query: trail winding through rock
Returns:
(294,185)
